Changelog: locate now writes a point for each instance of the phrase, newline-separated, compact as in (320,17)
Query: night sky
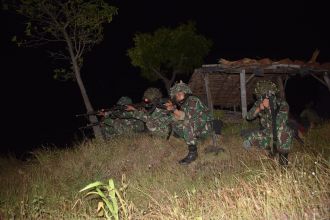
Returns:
(38,110)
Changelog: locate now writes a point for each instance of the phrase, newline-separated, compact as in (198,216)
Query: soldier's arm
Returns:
(193,108)
(254,111)
(190,110)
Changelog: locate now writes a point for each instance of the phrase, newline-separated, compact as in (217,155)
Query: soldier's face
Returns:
(179,96)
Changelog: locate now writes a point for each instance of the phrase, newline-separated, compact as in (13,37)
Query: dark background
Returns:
(36,110)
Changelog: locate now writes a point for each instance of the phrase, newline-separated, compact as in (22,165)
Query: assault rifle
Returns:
(97,112)
(112,112)
(100,123)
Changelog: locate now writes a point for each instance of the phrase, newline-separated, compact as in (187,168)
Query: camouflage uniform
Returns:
(118,122)
(264,137)
(157,120)
(195,123)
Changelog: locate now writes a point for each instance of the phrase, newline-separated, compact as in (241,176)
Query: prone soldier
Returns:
(156,117)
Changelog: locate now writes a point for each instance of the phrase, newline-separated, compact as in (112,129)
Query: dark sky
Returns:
(37,110)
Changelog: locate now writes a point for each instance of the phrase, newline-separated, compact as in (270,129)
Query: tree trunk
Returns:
(88,105)
(168,82)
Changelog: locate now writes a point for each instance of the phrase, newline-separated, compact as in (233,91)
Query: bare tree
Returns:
(73,25)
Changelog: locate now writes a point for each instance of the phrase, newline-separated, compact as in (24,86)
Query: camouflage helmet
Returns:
(180,87)
(152,94)
(124,100)
(265,88)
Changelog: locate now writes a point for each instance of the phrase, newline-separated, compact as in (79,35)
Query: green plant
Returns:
(108,193)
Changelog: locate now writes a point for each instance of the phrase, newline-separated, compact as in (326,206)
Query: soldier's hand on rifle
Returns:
(259,109)
(130,108)
(179,115)
(101,113)
(169,106)
(265,103)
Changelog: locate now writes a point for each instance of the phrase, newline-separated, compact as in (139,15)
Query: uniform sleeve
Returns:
(251,113)
(196,109)
(143,116)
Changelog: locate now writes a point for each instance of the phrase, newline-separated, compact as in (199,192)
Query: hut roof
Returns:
(224,77)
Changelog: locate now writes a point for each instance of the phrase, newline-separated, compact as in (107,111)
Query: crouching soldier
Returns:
(191,119)
(274,135)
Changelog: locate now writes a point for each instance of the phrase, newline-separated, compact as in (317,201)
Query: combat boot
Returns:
(192,155)
(283,159)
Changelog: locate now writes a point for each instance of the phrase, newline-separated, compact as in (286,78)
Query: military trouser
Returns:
(122,126)
(157,123)
(263,139)
(191,130)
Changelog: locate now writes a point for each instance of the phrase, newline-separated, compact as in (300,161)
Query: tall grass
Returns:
(237,184)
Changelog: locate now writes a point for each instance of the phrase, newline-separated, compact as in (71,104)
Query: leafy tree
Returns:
(167,52)
(73,25)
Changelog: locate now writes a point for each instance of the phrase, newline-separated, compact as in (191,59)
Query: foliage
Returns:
(168,52)
(237,184)
(108,194)
(76,24)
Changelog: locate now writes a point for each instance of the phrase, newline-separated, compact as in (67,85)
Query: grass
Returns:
(233,185)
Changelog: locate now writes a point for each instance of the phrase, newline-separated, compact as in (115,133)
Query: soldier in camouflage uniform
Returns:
(156,117)
(270,108)
(191,119)
(117,123)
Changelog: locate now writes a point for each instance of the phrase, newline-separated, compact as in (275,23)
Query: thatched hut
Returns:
(230,84)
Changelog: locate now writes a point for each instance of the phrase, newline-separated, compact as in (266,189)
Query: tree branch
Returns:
(159,74)
(173,77)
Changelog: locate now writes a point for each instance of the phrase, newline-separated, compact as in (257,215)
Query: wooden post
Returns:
(327,79)
(286,81)
(243,93)
(281,87)
(208,92)
(209,103)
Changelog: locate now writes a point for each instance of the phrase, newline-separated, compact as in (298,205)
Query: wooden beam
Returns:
(243,93)
(314,56)
(327,79)
(252,75)
(320,80)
